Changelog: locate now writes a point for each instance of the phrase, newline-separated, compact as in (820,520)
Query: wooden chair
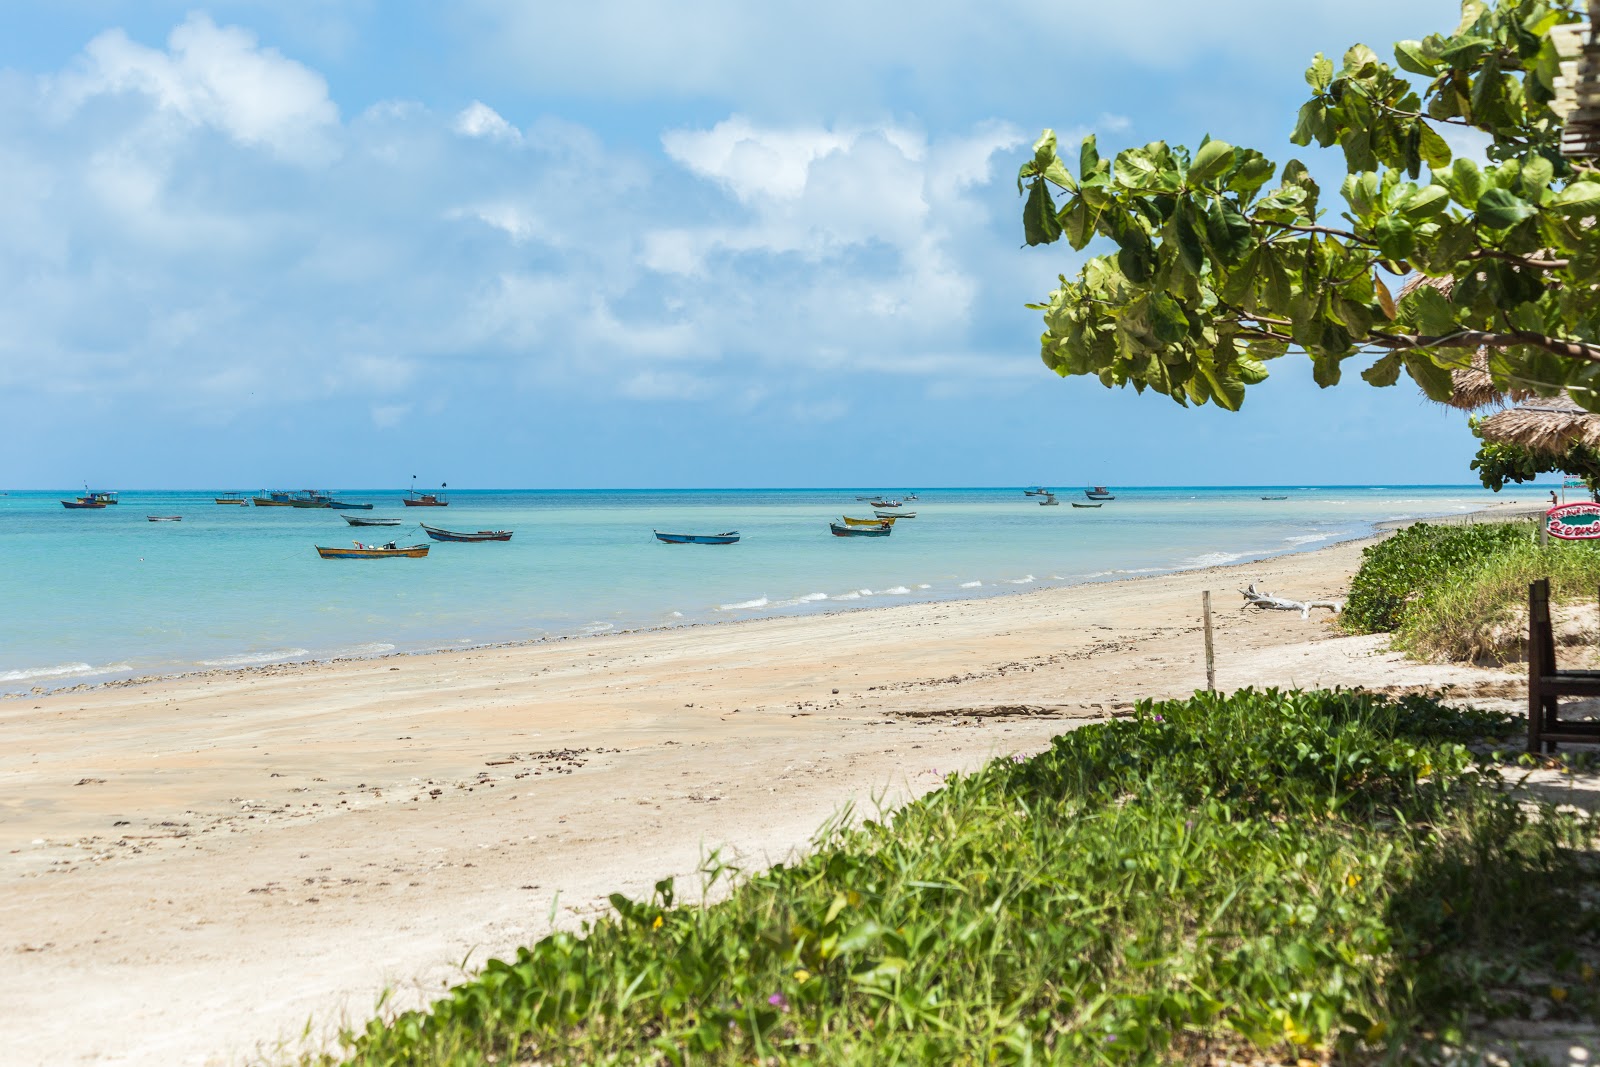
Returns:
(1546,684)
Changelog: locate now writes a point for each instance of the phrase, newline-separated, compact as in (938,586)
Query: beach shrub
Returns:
(1396,571)
(1222,877)
(1482,612)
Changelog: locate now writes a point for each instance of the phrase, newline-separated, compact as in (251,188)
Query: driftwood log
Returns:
(1255,598)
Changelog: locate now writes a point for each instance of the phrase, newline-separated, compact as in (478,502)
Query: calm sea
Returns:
(95,595)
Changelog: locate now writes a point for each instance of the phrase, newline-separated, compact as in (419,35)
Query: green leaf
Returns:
(1426,202)
(1077,221)
(1428,310)
(1211,160)
(1186,231)
(1464,180)
(1167,321)
(1579,198)
(1250,371)
(1396,237)
(1039,223)
(1227,393)
(1434,380)
(1434,149)
(1412,58)
(1088,156)
(1320,74)
(1501,209)
(1384,372)
(1228,231)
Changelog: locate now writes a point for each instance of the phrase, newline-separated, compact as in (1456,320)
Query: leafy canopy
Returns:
(1225,261)
(1499,462)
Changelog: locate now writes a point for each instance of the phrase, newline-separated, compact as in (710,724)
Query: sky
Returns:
(619,243)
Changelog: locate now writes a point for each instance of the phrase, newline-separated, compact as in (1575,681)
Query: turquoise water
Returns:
(94,595)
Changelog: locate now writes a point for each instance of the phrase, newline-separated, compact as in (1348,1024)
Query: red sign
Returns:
(1574,522)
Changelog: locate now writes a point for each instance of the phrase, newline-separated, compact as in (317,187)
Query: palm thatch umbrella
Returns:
(1548,425)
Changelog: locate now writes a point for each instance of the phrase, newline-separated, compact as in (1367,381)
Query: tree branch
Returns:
(1346,234)
(1521,261)
(1403,342)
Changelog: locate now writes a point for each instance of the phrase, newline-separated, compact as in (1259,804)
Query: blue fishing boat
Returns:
(1098,492)
(697,539)
(340,505)
(861,531)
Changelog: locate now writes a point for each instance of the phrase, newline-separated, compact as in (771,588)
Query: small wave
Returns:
(251,659)
(677,614)
(1213,559)
(848,596)
(598,627)
(898,590)
(743,605)
(371,648)
(970,585)
(1306,539)
(809,597)
(63,670)
(924,585)
(1021,581)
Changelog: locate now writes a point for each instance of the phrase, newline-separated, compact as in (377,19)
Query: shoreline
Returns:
(1377,529)
(198,870)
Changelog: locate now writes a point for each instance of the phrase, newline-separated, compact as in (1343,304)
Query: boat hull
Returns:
(879,521)
(356,520)
(860,531)
(890,516)
(1078,505)
(454,535)
(697,539)
(83,505)
(229,500)
(339,505)
(408,552)
(163,518)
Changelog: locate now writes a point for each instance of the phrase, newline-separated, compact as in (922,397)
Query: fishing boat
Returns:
(896,514)
(357,520)
(697,539)
(879,521)
(885,503)
(340,505)
(1283,497)
(1078,505)
(277,498)
(84,503)
(361,551)
(1037,490)
(452,535)
(311,498)
(1098,492)
(883,530)
(1049,501)
(231,498)
(163,518)
(414,499)
(102,496)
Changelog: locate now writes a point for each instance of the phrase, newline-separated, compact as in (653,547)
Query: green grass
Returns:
(1480,612)
(1287,874)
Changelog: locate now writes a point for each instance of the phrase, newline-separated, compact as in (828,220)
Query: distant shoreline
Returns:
(1505,511)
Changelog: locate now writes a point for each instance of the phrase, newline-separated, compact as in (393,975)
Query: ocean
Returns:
(99,595)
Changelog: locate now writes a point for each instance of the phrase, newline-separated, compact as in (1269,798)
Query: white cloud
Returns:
(213,76)
(480,120)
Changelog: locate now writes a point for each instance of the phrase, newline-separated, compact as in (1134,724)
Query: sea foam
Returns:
(254,659)
(970,585)
(63,670)
(745,605)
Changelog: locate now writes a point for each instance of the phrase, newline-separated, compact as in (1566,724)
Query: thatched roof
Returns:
(1549,425)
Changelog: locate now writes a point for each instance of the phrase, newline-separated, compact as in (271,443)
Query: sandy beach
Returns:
(219,868)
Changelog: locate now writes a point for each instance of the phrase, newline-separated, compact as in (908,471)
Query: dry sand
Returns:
(200,870)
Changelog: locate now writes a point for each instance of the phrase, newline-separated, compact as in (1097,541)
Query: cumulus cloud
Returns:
(480,120)
(212,76)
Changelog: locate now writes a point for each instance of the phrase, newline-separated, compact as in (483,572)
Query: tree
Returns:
(1214,275)
(1499,462)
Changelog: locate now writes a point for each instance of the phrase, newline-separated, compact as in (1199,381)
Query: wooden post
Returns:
(1211,663)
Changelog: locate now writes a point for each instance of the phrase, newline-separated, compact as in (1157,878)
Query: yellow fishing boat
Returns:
(870,522)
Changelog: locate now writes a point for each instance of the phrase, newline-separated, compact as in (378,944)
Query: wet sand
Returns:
(202,870)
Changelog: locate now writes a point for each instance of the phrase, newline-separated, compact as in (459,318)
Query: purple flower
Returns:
(1111,1039)
(1158,719)
(1188,824)
(779,1001)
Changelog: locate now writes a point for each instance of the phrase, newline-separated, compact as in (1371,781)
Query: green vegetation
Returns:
(1498,462)
(1289,872)
(1211,271)
(1481,612)
(1398,571)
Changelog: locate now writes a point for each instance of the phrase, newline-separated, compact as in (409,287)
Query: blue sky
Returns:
(617,243)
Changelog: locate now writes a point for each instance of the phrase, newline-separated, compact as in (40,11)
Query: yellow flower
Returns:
(1557,993)
(1377,1031)
(1352,880)
(657,924)
(802,976)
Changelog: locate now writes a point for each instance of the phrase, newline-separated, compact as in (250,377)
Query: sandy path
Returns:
(195,870)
